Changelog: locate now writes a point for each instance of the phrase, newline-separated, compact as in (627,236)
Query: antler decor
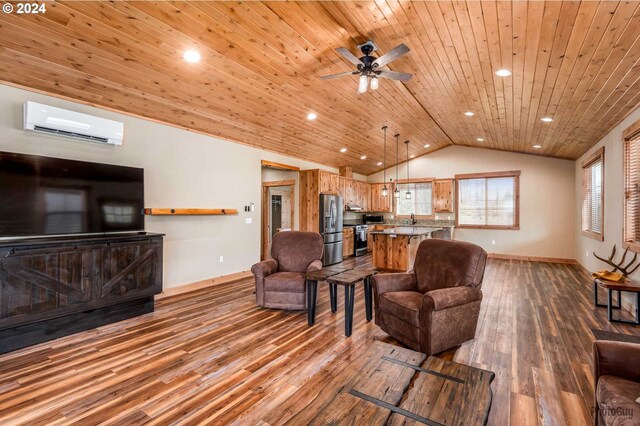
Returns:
(624,269)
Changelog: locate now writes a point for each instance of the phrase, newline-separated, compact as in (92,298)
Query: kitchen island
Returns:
(395,248)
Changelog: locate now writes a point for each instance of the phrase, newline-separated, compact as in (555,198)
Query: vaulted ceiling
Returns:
(577,62)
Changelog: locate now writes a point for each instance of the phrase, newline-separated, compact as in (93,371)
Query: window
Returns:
(632,187)
(488,200)
(593,195)
(420,203)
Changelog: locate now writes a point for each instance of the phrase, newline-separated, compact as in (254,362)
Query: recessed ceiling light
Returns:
(379,163)
(503,72)
(547,119)
(468,114)
(312,116)
(537,146)
(343,150)
(191,56)
(364,157)
(426,145)
(480,140)
(411,156)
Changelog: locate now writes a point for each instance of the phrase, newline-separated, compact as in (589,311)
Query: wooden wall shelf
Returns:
(185,212)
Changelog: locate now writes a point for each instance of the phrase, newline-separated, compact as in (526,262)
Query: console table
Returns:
(53,287)
(627,286)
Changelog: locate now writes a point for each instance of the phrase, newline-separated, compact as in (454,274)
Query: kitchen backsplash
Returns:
(441,219)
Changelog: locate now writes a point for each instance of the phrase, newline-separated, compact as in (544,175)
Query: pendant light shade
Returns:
(396,193)
(385,190)
(374,83)
(407,195)
(364,82)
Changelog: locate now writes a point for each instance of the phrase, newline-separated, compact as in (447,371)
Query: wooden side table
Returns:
(348,280)
(626,286)
(312,278)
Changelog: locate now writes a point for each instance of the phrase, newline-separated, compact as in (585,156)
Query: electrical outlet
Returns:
(493,242)
(221,259)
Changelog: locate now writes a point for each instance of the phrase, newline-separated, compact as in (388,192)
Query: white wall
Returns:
(613,199)
(182,169)
(547,196)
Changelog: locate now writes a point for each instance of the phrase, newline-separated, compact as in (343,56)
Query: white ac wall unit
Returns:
(61,122)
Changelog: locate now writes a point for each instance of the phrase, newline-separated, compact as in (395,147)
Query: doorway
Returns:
(278,211)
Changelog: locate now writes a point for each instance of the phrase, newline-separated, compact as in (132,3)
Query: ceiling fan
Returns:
(369,67)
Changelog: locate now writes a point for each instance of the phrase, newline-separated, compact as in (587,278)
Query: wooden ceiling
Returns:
(577,62)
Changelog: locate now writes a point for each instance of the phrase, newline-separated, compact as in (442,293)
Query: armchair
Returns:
(436,306)
(616,370)
(280,281)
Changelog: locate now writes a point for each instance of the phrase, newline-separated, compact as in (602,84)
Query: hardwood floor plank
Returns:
(212,356)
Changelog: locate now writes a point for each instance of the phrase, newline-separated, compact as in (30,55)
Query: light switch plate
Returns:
(248,220)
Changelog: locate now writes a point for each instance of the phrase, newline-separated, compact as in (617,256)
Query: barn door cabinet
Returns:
(52,288)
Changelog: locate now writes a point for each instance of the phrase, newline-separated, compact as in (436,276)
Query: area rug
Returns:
(616,337)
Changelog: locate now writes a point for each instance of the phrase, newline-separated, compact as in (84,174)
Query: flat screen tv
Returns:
(42,196)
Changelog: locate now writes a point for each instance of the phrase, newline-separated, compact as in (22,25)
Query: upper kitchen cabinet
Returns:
(364,195)
(329,182)
(443,195)
(378,202)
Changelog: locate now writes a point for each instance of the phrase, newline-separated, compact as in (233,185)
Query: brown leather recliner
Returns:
(280,281)
(616,370)
(436,306)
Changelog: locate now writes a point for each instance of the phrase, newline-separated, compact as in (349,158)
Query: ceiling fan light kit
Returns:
(370,68)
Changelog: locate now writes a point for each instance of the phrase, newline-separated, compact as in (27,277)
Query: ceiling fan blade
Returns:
(349,56)
(340,74)
(394,75)
(392,55)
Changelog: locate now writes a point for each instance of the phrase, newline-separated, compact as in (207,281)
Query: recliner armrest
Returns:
(315,266)
(621,359)
(453,296)
(385,283)
(265,268)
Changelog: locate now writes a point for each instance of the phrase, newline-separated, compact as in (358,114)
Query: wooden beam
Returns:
(279,166)
(185,212)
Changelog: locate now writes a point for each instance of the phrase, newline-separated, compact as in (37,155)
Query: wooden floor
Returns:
(212,357)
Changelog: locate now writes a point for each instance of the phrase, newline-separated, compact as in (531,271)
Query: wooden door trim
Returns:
(289,182)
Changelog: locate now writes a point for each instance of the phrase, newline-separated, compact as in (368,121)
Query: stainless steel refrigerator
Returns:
(331,228)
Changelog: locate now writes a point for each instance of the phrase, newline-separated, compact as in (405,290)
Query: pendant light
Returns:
(396,193)
(385,190)
(407,194)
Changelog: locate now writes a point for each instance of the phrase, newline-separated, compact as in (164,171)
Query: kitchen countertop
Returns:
(405,230)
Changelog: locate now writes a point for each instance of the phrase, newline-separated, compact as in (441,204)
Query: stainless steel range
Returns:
(360,234)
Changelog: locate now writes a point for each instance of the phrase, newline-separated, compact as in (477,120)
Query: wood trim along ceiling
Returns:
(258,79)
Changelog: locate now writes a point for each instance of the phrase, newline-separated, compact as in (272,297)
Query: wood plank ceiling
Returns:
(577,62)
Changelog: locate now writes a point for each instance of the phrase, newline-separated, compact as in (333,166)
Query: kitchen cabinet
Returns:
(329,182)
(312,184)
(443,195)
(351,192)
(364,195)
(347,242)
(378,202)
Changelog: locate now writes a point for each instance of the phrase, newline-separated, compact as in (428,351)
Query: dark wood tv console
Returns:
(54,287)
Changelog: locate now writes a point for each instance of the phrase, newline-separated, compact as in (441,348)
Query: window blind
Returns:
(420,203)
(632,190)
(489,201)
(592,194)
